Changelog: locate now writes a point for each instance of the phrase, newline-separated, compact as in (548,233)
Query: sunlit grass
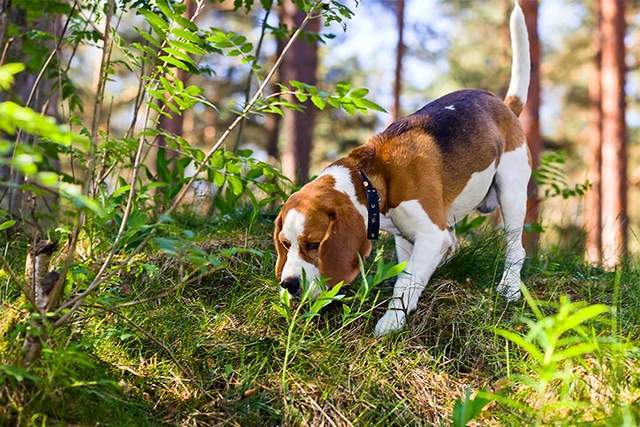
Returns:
(213,349)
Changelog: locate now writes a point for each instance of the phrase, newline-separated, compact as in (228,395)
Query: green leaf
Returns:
(520,342)
(7,224)
(185,34)
(301,96)
(170,60)
(17,373)
(179,54)
(371,105)
(359,93)
(318,102)
(394,271)
(164,7)
(154,20)
(49,179)
(121,190)
(468,409)
(574,351)
(187,47)
(582,316)
(7,72)
(236,184)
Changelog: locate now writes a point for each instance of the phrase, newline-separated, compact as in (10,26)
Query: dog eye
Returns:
(313,246)
(286,244)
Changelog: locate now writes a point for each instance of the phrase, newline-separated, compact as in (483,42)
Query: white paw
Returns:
(510,289)
(393,320)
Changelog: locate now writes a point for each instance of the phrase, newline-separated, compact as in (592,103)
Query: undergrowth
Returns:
(159,346)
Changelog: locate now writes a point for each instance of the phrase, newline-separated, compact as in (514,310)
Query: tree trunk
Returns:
(593,199)
(272,121)
(300,63)
(530,117)
(31,209)
(272,127)
(397,84)
(614,166)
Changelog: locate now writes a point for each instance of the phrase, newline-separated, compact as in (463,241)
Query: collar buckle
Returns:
(373,208)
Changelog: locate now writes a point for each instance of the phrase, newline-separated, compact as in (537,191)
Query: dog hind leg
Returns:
(512,178)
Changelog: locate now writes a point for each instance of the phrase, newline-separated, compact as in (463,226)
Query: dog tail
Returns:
(521,63)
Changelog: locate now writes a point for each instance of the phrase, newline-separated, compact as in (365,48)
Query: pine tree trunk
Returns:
(300,63)
(530,117)
(397,84)
(614,167)
(593,199)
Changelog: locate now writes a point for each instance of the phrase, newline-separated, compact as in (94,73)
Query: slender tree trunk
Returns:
(397,84)
(4,21)
(530,117)
(272,127)
(300,63)
(614,166)
(593,200)
(44,100)
(272,121)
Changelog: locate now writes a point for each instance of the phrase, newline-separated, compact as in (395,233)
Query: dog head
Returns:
(319,232)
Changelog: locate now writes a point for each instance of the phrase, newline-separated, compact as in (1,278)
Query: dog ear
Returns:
(344,239)
(280,249)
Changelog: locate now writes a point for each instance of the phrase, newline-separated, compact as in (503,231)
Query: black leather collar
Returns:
(373,208)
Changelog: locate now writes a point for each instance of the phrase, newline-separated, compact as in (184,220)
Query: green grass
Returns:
(211,351)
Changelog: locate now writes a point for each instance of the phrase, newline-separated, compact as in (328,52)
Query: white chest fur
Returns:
(472,195)
(410,219)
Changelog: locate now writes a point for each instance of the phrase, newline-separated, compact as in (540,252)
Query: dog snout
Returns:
(292,284)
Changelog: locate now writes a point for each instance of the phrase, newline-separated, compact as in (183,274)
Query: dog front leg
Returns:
(428,250)
(404,248)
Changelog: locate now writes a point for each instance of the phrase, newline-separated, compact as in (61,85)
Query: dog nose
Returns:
(292,284)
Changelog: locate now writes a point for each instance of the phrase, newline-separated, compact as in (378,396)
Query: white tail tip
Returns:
(521,63)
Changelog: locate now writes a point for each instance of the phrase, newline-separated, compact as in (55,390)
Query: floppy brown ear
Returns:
(344,240)
(280,249)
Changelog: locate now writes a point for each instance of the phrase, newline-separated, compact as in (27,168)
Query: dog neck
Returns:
(363,160)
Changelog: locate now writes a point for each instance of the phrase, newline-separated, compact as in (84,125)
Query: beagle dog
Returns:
(462,152)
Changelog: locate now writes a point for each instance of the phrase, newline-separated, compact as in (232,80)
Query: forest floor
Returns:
(214,350)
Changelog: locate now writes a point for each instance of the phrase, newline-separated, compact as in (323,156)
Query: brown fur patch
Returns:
(515,104)
(330,220)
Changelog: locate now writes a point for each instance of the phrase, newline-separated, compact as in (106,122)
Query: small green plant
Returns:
(552,178)
(310,306)
(313,307)
(568,347)
(468,408)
